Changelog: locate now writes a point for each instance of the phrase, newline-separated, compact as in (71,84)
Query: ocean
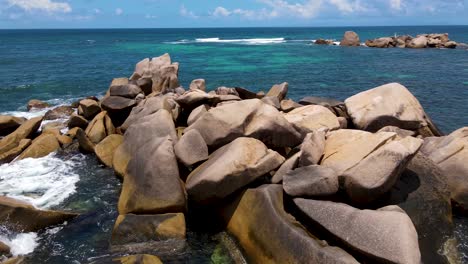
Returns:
(62,66)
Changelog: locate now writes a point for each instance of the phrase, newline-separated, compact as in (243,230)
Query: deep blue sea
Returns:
(61,66)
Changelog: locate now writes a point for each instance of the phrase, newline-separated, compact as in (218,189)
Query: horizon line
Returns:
(229,27)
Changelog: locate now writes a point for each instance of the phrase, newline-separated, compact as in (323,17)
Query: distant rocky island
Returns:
(367,180)
(438,40)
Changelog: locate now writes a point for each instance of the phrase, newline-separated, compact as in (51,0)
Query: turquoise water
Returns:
(61,66)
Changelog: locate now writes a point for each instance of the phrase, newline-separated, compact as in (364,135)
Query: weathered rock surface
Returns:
(312,148)
(19,216)
(197,113)
(88,108)
(191,148)
(253,217)
(10,155)
(132,228)
(63,111)
(199,84)
(8,124)
(163,73)
(41,146)
(99,128)
(450,153)
(288,105)
(106,148)
(230,168)
(311,181)
(312,117)
(127,91)
(85,144)
(350,38)
(419,42)
(279,91)
(77,121)
(247,118)
(383,236)
(388,105)
(118,108)
(26,130)
(138,259)
(290,164)
(36,104)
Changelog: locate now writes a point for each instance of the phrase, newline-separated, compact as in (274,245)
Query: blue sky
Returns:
(228,13)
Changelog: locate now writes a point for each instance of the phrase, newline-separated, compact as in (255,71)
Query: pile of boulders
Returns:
(438,40)
(370,179)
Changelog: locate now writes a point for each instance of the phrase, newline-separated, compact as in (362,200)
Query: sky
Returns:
(16,14)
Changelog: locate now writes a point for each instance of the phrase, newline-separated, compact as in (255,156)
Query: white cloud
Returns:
(395,4)
(97,11)
(221,12)
(187,13)
(151,16)
(41,5)
(119,11)
(307,9)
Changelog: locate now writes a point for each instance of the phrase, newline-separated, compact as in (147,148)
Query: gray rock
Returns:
(191,148)
(197,113)
(290,164)
(311,181)
(128,91)
(312,148)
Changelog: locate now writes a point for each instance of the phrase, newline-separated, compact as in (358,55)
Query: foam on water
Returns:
(43,182)
(21,244)
(251,41)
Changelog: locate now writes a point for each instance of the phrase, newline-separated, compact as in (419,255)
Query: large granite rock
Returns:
(419,42)
(450,153)
(191,148)
(312,117)
(26,130)
(41,147)
(268,234)
(118,108)
(88,108)
(9,124)
(99,128)
(312,148)
(106,148)
(199,84)
(163,73)
(85,144)
(138,259)
(247,118)
(197,113)
(77,121)
(290,164)
(10,155)
(350,38)
(146,228)
(19,216)
(383,236)
(311,181)
(230,168)
(368,164)
(194,98)
(278,91)
(59,112)
(388,105)
(127,91)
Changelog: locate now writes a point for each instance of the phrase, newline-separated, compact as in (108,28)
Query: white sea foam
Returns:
(43,182)
(21,244)
(251,41)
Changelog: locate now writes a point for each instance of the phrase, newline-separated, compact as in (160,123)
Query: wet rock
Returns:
(106,148)
(138,259)
(99,128)
(8,124)
(247,118)
(388,105)
(19,216)
(26,130)
(4,249)
(383,236)
(127,91)
(10,155)
(41,147)
(312,148)
(311,181)
(77,121)
(312,117)
(230,168)
(146,228)
(199,84)
(279,91)
(36,104)
(290,164)
(253,217)
(59,113)
(324,41)
(450,153)
(88,108)
(191,148)
(350,38)
(118,108)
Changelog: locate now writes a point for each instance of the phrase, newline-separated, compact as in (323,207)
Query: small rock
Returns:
(36,104)
(88,108)
(198,84)
(350,38)
(128,91)
(59,113)
(279,91)
(86,145)
(77,121)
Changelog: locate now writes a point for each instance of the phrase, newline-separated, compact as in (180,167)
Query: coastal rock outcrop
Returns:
(99,128)
(350,38)
(88,108)
(106,148)
(311,181)
(247,118)
(41,146)
(253,216)
(59,112)
(230,168)
(312,117)
(384,235)
(35,104)
(389,105)
(8,124)
(26,130)
(191,148)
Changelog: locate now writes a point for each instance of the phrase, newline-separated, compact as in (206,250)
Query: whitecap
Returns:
(21,244)
(252,41)
(43,182)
